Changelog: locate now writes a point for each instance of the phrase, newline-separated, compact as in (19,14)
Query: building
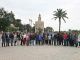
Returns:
(39,25)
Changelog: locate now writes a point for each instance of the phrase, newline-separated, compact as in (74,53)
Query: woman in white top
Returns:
(49,39)
(78,40)
(15,39)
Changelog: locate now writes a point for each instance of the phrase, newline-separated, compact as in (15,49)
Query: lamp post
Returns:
(30,22)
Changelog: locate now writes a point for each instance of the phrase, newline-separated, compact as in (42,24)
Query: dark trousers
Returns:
(52,42)
(7,43)
(55,41)
(60,42)
(71,43)
(77,44)
(46,41)
(66,42)
(40,42)
(11,42)
(3,44)
(21,42)
(15,43)
(36,42)
(49,42)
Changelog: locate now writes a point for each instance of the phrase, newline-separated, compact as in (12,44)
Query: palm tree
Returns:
(60,14)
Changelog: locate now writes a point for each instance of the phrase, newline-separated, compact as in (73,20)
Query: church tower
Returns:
(39,25)
(39,17)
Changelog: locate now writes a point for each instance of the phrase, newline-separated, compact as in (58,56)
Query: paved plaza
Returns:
(39,53)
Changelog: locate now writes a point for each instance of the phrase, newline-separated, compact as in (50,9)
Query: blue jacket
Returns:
(39,37)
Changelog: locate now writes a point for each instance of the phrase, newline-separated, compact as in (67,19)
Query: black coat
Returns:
(3,38)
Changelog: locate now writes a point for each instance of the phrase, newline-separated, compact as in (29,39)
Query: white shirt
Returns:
(79,37)
(49,37)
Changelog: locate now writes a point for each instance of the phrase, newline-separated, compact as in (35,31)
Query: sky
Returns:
(30,9)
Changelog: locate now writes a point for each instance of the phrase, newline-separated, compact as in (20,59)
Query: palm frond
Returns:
(66,17)
(63,19)
(60,14)
(54,11)
(55,18)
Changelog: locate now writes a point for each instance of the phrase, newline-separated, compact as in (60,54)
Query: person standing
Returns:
(78,41)
(18,38)
(3,39)
(32,38)
(22,39)
(52,38)
(27,39)
(15,39)
(60,38)
(11,36)
(7,38)
(39,39)
(49,39)
(55,39)
(46,39)
(74,39)
(65,38)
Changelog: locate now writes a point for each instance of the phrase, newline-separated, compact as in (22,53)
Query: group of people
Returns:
(56,39)
(9,38)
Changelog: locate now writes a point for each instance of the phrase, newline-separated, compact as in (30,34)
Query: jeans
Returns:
(32,42)
(11,42)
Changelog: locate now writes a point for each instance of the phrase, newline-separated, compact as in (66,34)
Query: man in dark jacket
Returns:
(11,36)
(60,39)
(7,39)
(3,39)
(55,39)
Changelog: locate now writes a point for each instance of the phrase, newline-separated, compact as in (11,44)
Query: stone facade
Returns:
(39,25)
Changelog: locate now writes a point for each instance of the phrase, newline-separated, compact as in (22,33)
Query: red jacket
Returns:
(65,36)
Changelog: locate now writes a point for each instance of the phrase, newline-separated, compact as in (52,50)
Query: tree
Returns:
(28,27)
(4,21)
(60,14)
(10,29)
(4,24)
(33,29)
(2,12)
(17,23)
(8,18)
(48,29)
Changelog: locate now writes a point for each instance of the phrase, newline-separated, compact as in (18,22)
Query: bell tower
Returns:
(39,25)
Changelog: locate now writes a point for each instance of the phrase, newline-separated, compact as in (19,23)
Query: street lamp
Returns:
(30,22)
